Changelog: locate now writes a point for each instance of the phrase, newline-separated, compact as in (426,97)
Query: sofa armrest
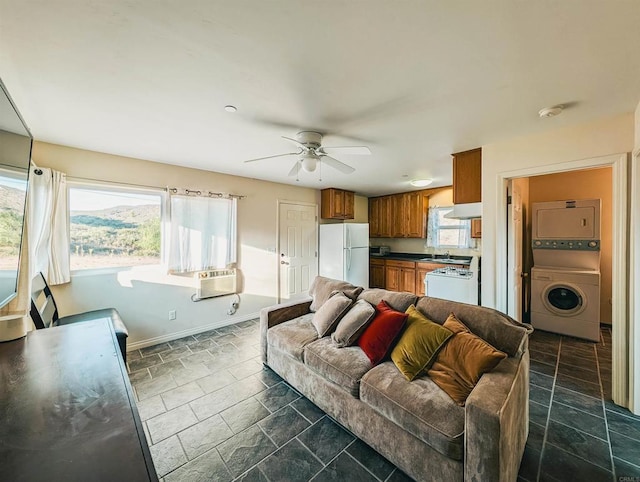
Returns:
(497,422)
(276,314)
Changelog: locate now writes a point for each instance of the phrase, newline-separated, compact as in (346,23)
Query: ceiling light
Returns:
(309,161)
(420,182)
(550,111)
(230,108)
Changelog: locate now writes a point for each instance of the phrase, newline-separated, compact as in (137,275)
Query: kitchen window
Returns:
(443,232)
(112,227)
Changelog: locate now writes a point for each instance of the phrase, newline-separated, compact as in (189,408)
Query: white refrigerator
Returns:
(344,252)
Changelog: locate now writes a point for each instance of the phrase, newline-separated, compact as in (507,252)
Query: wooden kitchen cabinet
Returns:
(376,273)
(380,217)
(337,204)
(476,228)
(400,276)
(397,216)
(409,215)
(467,176)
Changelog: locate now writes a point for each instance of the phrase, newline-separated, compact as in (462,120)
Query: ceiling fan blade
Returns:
(277,155)
(347,150)
(336,164)
(294,170)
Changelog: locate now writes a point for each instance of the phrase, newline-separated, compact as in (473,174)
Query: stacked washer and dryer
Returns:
(565,278)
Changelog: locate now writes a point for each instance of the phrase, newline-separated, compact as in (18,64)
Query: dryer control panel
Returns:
(567,244)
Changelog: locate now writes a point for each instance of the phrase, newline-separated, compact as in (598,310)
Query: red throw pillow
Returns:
(378,338)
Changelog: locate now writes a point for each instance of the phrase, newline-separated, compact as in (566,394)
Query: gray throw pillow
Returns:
(329,314)
(353,324)
(322,288)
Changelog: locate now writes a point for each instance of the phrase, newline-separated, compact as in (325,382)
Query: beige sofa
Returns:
(413,424)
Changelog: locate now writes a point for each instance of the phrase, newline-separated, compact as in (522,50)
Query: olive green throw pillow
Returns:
(418,346)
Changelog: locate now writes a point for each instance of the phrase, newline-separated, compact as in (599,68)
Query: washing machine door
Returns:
(564,299)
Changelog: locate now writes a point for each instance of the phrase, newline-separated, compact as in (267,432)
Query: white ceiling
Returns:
(413,80)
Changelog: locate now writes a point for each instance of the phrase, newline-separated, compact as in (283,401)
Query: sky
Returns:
(95,200)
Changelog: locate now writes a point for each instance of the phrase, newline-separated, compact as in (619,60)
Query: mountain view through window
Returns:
(111,228)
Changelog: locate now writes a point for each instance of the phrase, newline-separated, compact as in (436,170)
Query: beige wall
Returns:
(601,138)
(636,143)
(586,184)
(145,295)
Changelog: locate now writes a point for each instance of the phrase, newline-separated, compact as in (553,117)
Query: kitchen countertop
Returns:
(426,258)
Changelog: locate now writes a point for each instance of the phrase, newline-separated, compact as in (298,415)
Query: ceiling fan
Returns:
(311,152)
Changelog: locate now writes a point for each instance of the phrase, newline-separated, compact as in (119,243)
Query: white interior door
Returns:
(298,249)
(514,261)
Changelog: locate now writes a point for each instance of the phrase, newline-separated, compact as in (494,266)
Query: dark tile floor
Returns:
(211,411)
(575,431)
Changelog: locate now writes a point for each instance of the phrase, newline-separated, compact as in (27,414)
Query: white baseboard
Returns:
(191,331)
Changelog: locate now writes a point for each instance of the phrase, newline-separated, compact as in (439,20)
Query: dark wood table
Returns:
(67,410)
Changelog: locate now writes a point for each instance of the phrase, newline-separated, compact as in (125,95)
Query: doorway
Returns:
(297,249)
(619,257)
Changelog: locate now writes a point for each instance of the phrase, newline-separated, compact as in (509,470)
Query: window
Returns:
(447,233)
(112,227)
(12,193)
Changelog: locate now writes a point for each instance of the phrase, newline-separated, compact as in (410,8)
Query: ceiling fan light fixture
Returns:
(309,161)
(420,182)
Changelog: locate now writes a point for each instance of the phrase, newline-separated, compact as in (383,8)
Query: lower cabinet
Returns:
(400,276)
(376,273)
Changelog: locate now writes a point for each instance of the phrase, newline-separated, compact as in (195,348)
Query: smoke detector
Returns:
(550,111)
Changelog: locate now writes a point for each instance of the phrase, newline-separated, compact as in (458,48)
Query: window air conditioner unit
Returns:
(217,282)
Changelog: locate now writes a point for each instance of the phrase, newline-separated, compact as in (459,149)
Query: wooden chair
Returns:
(44,313)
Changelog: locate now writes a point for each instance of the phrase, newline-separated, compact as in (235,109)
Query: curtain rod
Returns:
(198,192)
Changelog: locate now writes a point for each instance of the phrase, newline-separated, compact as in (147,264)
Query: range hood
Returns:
(465,211)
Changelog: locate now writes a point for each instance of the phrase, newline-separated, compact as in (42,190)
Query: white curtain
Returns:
(432,227)
(49,225)
(202,233)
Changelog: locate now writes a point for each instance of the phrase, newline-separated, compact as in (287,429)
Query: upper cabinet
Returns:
(401,215)
(380,217)
(467,176)
(337,204)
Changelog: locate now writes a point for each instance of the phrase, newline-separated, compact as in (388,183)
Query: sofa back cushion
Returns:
(322,288)
(500,330)
(378,338)
(399,301)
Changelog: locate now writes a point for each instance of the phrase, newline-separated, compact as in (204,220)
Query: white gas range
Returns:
(455,284)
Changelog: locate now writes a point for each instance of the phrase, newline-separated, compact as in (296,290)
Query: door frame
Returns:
(279,203)
(622,328)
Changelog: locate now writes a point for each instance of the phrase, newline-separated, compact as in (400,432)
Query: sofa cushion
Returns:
(342,366)
(353,323)
(420,407)
(461,363)
(292,336)
(378,338)
(399,301)
(322,287)
(330,313)
(419,344)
